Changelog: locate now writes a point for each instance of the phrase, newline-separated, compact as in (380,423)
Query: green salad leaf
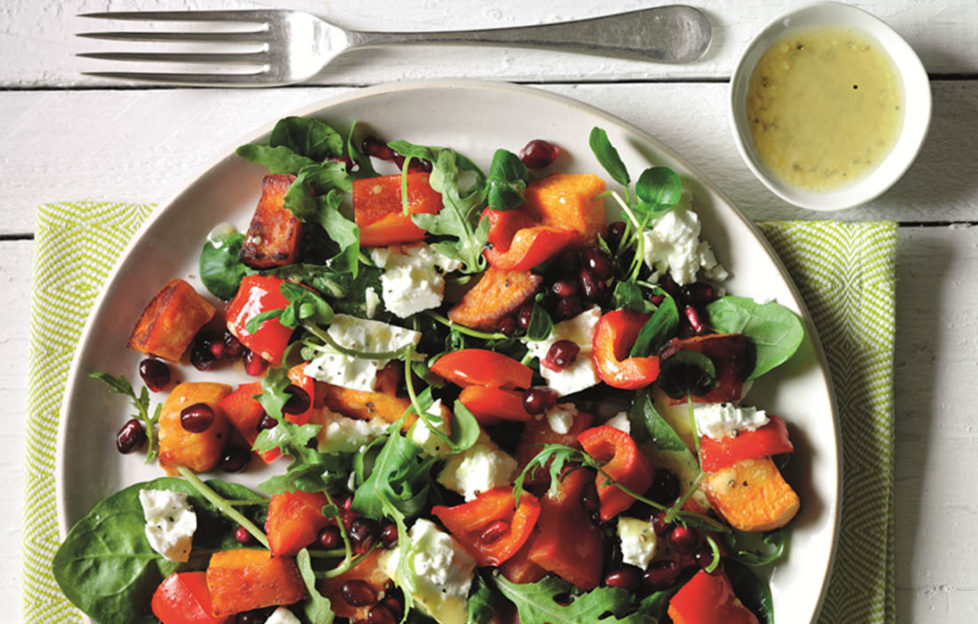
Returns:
(397,482)
(685,373)
(756,550)
(276,159)
(546,602)
(752,590)
(608,156)
(140,402)
(220,269)
(312,138)
(508,178)
(317,607)
(661,326)
(774,329)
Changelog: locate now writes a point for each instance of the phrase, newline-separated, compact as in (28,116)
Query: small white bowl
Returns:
(916,96)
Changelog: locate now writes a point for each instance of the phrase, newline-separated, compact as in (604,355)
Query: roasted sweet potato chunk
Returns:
(752,495)
(732,355)
(367,405)
(245,578)
(199,452)
(170,321)
(570,201)
(496,295)
(275,234)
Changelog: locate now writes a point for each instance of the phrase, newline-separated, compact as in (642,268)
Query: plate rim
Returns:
(223,154)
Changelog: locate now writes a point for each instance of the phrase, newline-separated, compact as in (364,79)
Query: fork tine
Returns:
(250,79)
(179,57)
(220,37)
(186,16)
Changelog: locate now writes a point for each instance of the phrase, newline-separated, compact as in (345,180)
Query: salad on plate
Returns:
(474,396)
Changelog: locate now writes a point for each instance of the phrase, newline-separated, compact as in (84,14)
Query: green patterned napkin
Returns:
(844,271)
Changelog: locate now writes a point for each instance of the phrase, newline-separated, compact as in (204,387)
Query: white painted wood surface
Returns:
(64,136)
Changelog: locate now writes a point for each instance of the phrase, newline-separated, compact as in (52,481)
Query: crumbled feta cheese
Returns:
(722,420)
(282,616)
(561,417)
(371,301)
(478,469)
(672,245)
(170,523)
(424,437)
(620,421)
(412,281)
(637,541)
(580,374)
(361,335)
(340,434)
(440,572)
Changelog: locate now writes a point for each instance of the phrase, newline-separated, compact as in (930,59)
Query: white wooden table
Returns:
(67,137)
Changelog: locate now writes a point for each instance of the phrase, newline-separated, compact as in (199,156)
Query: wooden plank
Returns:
(38,43)
(142,145)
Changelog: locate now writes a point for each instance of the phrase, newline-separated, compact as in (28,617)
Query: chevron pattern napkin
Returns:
(844,271)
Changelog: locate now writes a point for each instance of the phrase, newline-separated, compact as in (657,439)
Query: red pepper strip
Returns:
(379,211)
(183,598)
(538,432)
(489,405)
(567,543)
(709,599)
(294,521)
(491,528)
(504,224)
(519,568)
(771,439)
(481,367)
(519,244)
(624,463)
(613,338)
(258,294)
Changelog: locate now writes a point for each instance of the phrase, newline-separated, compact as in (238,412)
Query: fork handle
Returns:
(669,34)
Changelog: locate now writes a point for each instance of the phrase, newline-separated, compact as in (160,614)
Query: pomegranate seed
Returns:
(379,614)
(538,400)
(565,288)
(561,355)
(416,166)
(233,349)
(569,307)
(299,402)
(257,616)
(524,314)
(235,459)
(569,262)
(659,524)
(343,501)
(241,535)
(704,557)
(592,287)
(508,326)
(494,531)
(590,500)
(358,593)
(392,603)
(657,299)
(363,534)
(665,486)
(699,293)
(684,540)
(254,365)
(598,263)
(615,233)
(538,153)
(330,538)
(266,422)
(388,536)
(629,577)
(389,587)
(372,146)
(661,575)
(201,355)
(130,437)
(197,418)
(155,374)
(693,318)
(217,349)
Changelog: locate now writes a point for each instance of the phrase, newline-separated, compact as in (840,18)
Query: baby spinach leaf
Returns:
(317,607)
(275,159)
(648,425)
(106,566)
(481,610)
(774,329)
(608,156)
(220,269)
(687,372)
(752,590)
(659,186)
(541,326)
(663,325)
(508,178)
(756,550)
(465,428)
(545,602)
(629,296)
(312,138)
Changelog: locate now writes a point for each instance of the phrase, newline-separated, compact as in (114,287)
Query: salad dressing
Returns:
(825,107)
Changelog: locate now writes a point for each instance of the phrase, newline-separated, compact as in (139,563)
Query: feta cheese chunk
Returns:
(371,300)
(170,523)
(412,281)
(340,434)
(361,335)
(561,417)
(580,374)
(637,541)
(282,616)
(723,420)
(478,469)
(427,439)
(672,245)
(439,572)
(620,422)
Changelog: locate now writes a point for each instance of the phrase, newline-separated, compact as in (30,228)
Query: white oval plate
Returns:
(475,118)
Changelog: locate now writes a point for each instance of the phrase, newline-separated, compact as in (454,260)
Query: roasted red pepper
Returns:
(613,338)
(538,432)
(256,295)
(481,367)
(490,405)
(491,527)
(709,599)
(183,598)
(771,439)
(567,542)
(519,568)
(379,211)
(294,521)
(519,245)
(623,461)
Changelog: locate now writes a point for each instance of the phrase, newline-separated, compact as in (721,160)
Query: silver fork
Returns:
(293,46)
